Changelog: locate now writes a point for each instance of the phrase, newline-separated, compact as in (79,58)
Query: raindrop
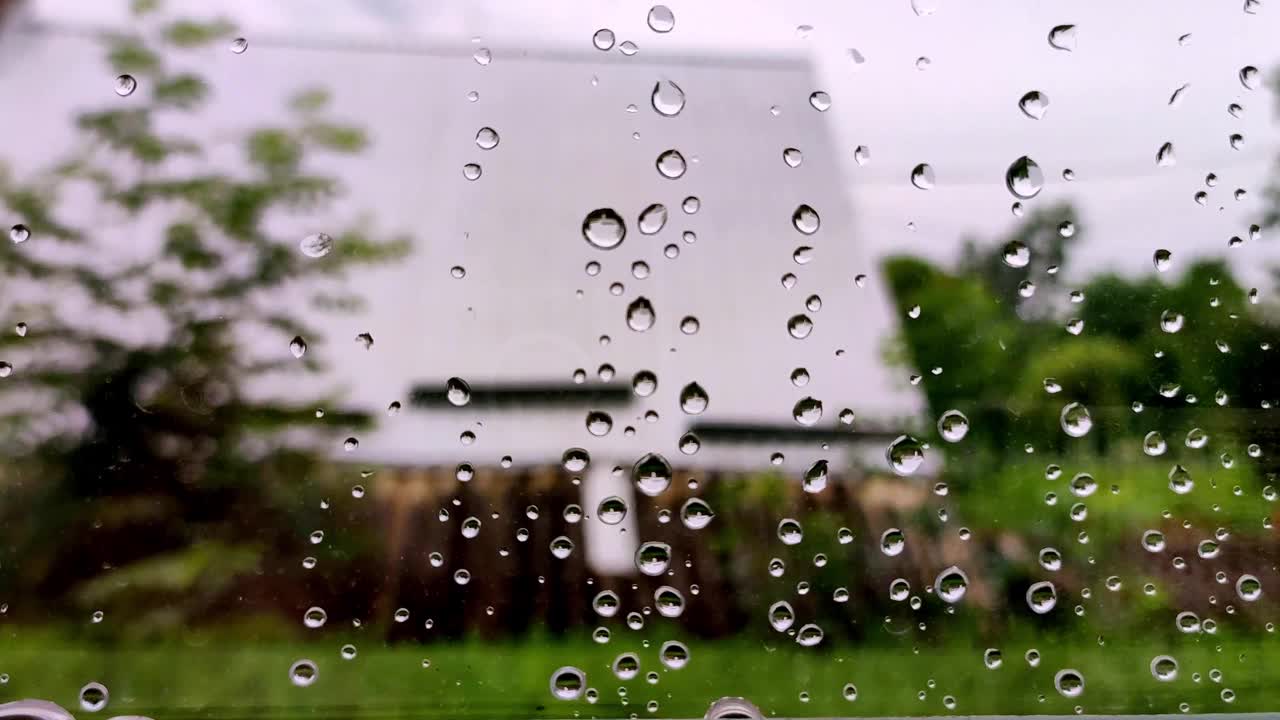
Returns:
(303,672)
(668,601)
(951,585)
(316,245)
(807,411)
(482,56)
(1250,78)
(862,155)
(953,426)
(992,658)
(1024,178)
(628,48)
(653,219)
(806,220)
(561,547)
(790,532)
(239,45)
(472,171)
(487,138)
(603,39)
(125,85)
(671,164)
(691,205)
(809,635)
(820,101)
(1034,104)
(19,234)
(1153,444)
(644,383)
(315,617)
(1063,37)
(661,19)
(674,655)
(1069,682)
(693,399)
(922,176)
(781,616)
(652,558)
(575,460)
(696,514)
(1165,156)
(815,478)
(611,510)
(892,542)
(1162,259)
(1042,597)
(1180,481)
(667,98)
(1248,588)
(651,474)
(640,314)
(567,683)
(905,455)
(94,697)
(1075,420)
(298,346)
(1176,97)
(604,229)
(799,326)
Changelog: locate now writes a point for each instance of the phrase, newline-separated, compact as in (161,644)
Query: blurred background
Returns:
(376,358)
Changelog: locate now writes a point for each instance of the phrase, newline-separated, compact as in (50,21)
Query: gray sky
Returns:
(567,147)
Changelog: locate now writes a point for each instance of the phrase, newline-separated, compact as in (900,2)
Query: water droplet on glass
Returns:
(298,346)
(790,532)
(905,455)
(1063,37)
(652,558)
(19,234)
(314,617)
(815,478)
(640,314)
(125,85)
(628,48)
(953,426)
(922,176)
(820,101)
(661,19)
(1075,420)
(951,585)
(792,157)
(94,697)
(1069,682)
(892,542)
(303,673)
(1249,588)
(696,514)
(674,654)
(567,683)
(472,171)
(1162,259)
(1250,78)
(482,56)
(799,326)
(806,220)
(651,474)
(781,616)
(316,245)
(807,411)
(693,399)
(487,138)
(644,383)
(239,45)
(1034,104)
(1042,597)
(1024,178)
(653,219)
(992,658)
(671,164)
(809,635)
(603,39)
(667,98)
(1176,97)
(1165,156)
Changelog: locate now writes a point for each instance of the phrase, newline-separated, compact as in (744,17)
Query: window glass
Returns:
(374,358)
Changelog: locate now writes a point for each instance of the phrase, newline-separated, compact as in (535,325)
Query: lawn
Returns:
(251,680)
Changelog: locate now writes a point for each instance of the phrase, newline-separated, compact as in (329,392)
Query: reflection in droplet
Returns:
(951,585)
(298,346)
(807,411)
(1042,597)
(1024,178)
(567,683)
(922,176)
(644,383)
(815,478)
(640,314)
(892,542)
(125,85)
(652,558)
(1076,420)
(653,218)
(696,514)
(905,455)
(651,474)
(1069,682)
(693,399)
(806,220)
(953,426)
(1034,104)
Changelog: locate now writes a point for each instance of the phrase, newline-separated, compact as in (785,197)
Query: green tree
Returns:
(144,472)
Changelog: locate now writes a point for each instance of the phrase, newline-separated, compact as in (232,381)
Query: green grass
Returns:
(249,680)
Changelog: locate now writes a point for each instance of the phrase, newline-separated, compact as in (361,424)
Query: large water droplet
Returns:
(94,697)
(1063,37)
(1250,78)
(667,98)
(604,229)
(487,138)
(661,19)
(644,383)
(1024,178)
(953,426)
(781,616)
(696,514)
(693,399)
(575,460)
(790,532)
(125,85)
(668,601)
(599,423)
(1249,588)
(905,455)
(653,219)
(1069,682)
(1034,104)
(603,39)
(1042,597)
(799,326)
(457,391)
(806,220)
(567,683)
(674,654)
(303,673)
(1076,420)
(892,542)
(1164,668)
(640,314)
(951,585)
(815,478)
(922,176)
(19,234)
(807,411)
(809,635)
(651,474)
(652,558)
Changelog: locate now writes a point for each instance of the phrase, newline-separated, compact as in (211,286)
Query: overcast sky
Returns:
(403,68)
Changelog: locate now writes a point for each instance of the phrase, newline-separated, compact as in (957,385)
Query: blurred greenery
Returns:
(146,476)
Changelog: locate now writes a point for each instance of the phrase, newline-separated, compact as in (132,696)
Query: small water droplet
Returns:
(303,673)
(1165,156)
(922,176)
(316,245)
(1024,178)
(482,56)
(667,98)
(125,85)
(1063,37)
(820,101)
(1250,78)
(652,219)
(661,19)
